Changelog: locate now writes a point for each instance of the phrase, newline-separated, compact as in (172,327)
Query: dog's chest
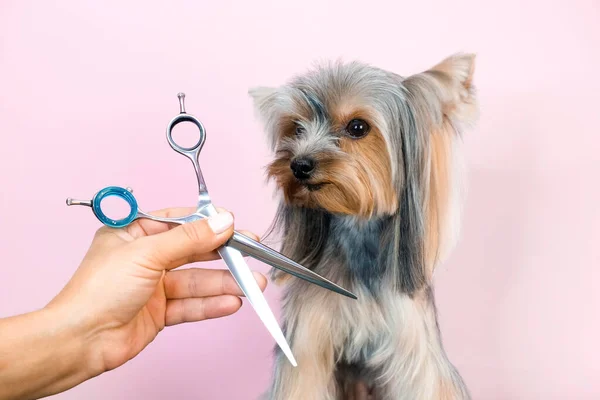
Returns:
(372,326)
(358,247)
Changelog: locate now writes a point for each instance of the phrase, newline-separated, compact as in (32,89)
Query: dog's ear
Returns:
(265,102)
(443,103)
(459,67)
(450,84)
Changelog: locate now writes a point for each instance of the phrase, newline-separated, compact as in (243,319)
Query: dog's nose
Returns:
(302,167)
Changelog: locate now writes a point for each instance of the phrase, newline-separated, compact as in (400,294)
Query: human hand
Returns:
(126,289)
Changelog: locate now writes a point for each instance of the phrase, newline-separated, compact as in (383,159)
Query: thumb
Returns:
(181,245)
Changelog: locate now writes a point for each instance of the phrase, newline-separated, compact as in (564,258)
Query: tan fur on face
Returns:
(362,183)
(373,161)
(356,181)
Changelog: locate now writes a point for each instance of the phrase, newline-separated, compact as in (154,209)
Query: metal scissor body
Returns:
(233,251)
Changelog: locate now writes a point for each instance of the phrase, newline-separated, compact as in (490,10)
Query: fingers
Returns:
(147,227)
(199,294)
(168,246)
(214,255)
(185,243)
(197,282)
(250,235)
(198,309)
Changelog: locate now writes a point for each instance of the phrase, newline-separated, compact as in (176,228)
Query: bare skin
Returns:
(363,392)
(125,292)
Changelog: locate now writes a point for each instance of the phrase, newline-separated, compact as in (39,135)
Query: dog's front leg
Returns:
(310,330)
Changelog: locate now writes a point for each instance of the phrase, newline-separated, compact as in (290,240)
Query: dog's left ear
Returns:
(263,98)
(267,103)
(450,84)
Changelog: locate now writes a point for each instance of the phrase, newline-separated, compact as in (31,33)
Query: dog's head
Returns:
(347,136)
(357,140)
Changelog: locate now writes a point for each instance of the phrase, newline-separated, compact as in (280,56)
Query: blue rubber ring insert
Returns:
(118,192)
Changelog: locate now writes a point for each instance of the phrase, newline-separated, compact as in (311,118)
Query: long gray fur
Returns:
(382,258)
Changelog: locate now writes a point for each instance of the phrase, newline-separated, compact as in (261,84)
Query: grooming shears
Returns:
(232,252)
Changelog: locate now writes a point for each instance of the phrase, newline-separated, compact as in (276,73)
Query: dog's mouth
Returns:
(313,187)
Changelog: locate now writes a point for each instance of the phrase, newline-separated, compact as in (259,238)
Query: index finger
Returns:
(197,282)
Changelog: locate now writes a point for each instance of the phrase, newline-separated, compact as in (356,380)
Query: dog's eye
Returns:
(300,130)
(357,128)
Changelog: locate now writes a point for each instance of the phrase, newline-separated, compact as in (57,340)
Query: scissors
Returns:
(233,251)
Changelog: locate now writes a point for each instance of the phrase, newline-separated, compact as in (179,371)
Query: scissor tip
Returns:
(292,359)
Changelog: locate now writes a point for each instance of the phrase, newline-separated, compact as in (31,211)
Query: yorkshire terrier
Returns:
(369,167)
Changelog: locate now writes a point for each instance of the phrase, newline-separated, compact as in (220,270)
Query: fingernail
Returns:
(219,223)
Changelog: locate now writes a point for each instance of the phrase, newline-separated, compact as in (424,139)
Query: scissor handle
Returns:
(121,193)
(190,152)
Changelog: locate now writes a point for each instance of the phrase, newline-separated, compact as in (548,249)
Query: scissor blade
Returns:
(277,260)
(244,278)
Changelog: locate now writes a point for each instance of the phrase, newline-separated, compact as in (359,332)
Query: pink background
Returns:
(87,88)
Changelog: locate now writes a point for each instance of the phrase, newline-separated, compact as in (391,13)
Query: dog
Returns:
(369,170)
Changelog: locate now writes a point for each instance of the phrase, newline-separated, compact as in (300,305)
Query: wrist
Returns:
(78,340)
(42,353)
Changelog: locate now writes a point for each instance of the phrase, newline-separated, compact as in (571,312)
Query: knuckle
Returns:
(193,232)
(168,212)
(202,312)
(193,284)
(183,311)
(178,313)
(223,282)
(102,231)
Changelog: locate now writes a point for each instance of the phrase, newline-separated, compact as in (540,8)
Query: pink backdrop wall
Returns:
(87,88)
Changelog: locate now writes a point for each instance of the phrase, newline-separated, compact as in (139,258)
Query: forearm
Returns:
(40,355)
